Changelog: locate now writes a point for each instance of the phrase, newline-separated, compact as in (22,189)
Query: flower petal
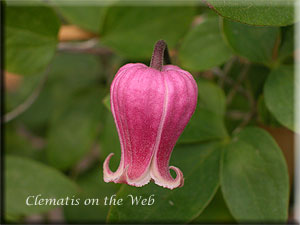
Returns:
(118,177)
(151,109)
(181,100)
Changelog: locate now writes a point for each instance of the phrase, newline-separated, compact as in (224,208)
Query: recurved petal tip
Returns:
(168,181)
(179,176)
(121,175)
(118,177)
(107,173)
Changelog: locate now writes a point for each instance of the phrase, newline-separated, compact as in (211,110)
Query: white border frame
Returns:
(221,2)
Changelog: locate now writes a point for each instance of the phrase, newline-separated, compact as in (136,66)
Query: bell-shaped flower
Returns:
(151,107)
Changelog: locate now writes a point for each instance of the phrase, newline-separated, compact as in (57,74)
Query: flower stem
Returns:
(160,55)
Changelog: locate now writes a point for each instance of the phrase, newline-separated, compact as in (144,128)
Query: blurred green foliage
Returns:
(34,32)
(203,47)
(270,13)
(252,197)
(56,147)
(254,43)
(25,179)
(280,81)
(143,26)
(207,123)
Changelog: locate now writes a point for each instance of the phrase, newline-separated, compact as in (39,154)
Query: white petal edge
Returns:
(171,184)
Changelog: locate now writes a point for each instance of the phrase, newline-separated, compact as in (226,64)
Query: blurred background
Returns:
(60,59)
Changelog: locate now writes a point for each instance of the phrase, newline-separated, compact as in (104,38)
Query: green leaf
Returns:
(75,71)
(36,117)
(200,166)
(216,212)
(253,43)
(256,77)
(263,12)
(264,115)
(25,177)
(12,218)
(254,178)
(88,17)
(203,47)
(211,97)
(279,95)
(133,31)
(237,111)
(17,97)
(74,129)
(69,73)
(93,187)
(106,102)
(30,38)
(18,144)
(207,123)
(286,48)
(203,126)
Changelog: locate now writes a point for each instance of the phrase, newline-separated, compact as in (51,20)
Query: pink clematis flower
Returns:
(151,107)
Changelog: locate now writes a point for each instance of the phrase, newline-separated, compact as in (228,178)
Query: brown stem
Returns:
(160,55)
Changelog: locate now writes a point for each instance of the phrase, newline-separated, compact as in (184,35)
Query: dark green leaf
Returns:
(74,129)
(264,115)
(216,212)
(17,144)
(88,17)
(254,43)
(279,95)
(203,126)
(256,78)
(69,73)
(263,12)
(287,48)
(203,47)
(200,166)
(93,187)
(207,123)
(237,111)
(211,97)
(106,101)
(25,177)
(18,96)
(30,38)
(133,31)
(254,178)
(9,218)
